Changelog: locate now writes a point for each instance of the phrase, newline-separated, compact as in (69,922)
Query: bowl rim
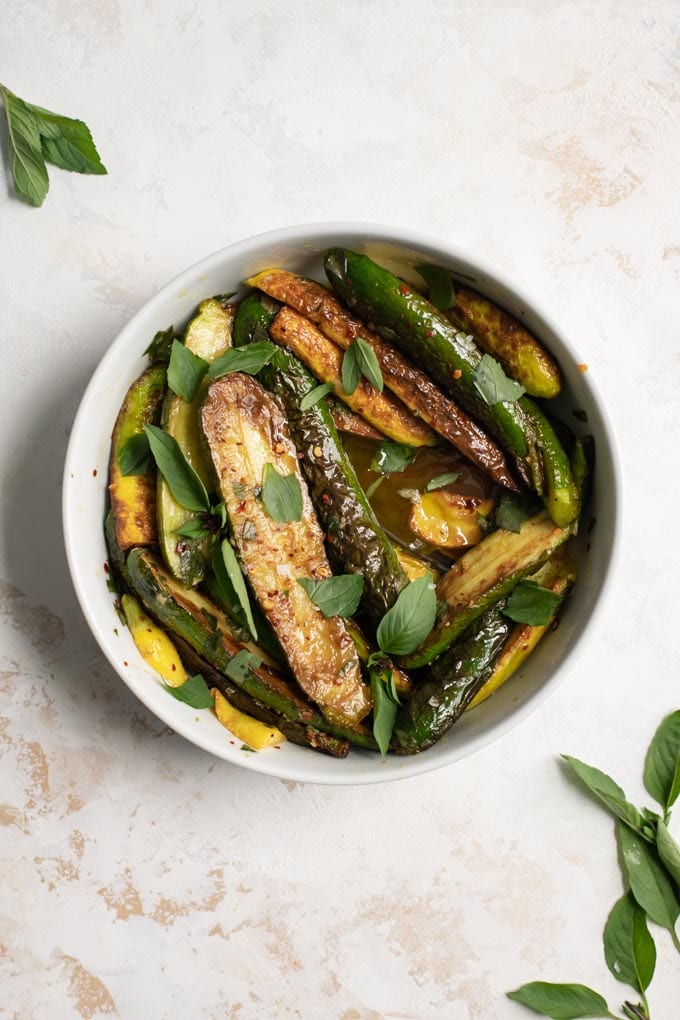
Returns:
(310,770)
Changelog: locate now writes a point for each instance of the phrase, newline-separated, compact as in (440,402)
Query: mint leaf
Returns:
(28,163)
(134,456)
(183,482)
(161,345)
(249,359)
(314,396)
(440,481)
(67,143)
(629,949)
(240,666)
(185,371)
(440,285)
(512,511)
(662,764)
(668,850)
(194,692)
(608,791)
(561,1002)
(648,879)
(358,360)
(230,579)
(335,596)
(529,603)
(392,457)
(281,495)
(405,626)
(384,707)
(492,384)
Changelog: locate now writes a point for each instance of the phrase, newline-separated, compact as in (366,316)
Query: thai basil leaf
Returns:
(662,764)
(194,692)
(648,879)
(281,495)
(230,579)
(249,359)
(335,596)
(606,790)
(183,482)
(391,458)
(561,1002)
(358,360)
(314,396)
(440,285)
(240,666)
(405,626)
(439,481)
(185,371)
(493,385)
(134,457)
(629,949)
(532,604)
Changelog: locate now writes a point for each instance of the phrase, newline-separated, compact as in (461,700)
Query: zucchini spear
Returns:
(407,382)
(401,315)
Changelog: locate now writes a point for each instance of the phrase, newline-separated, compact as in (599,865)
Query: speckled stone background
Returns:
(140,877)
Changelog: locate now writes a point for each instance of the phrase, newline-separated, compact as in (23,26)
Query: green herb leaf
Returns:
(314,396)
(134,457)
(440,481)
(230,579)
(240,666)
(194,529)
(161,345)
(512,511)
(384,708)
(662,764)
(183,482)
(493,385)
(608,791)
(628,947)
(405,626)
(66,143)
(28,163)
(440,285)
(281,495)
(335,596)
(358,360)
(249,359)
(374,485)
(648,879)
(561,1002)
(185,371)
(529,603)
(668,850)
(194,692)
(391,458)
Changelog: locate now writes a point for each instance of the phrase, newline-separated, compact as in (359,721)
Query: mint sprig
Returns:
(38,136)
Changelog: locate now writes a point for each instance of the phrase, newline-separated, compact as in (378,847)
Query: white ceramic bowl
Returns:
(85,479)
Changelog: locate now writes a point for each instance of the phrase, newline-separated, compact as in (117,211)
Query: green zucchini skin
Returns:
(404,317)
(355,541)
(454,680)
(582,460)
(171,606)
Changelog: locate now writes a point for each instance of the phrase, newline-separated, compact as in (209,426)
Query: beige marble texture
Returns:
(141,878)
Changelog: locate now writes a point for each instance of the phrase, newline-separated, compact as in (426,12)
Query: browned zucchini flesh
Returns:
(245,430)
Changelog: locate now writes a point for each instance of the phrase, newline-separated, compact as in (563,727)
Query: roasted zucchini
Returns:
(245,430)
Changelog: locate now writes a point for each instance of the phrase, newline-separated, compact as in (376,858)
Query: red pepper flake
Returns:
(404,288)
(241,507)
(124,662)
(457,374)
(94,472)
(174,667)
(106,567)
(325,498)
(582,368)
(429,332)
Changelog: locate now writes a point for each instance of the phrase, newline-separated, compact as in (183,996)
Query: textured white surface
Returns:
(141,878)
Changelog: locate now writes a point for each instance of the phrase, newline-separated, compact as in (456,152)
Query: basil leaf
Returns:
(230,579)
(193,529)
(28,164)
(561,1002)
(662,764)
(629,949)
(439,481)
(281,495)
(240,666)
(391,458)
(606,790)
(648,879)
(183,482)
(440,285)
(384,709)
(194,692)
(314,396)
(529,603)
(493,385)
(161,345)
(668,850)
(335,596)
(249,359)
(359,359)
(134,456)
(185,371)
(512,511)
(405,626)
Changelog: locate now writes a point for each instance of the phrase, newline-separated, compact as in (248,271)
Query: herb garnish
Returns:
(440,285)
(38,136)
(134,457)
(161,345)
(358,360)
(512,511)
(281,495)
(230,579)
(184,484)
(532,604)
(335,596)
(194,692)
(249,359)
(385,703)
(185,371)
(493,385)
(238,668)
(439,481)
(315,395)
(405,626)
(392,457)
